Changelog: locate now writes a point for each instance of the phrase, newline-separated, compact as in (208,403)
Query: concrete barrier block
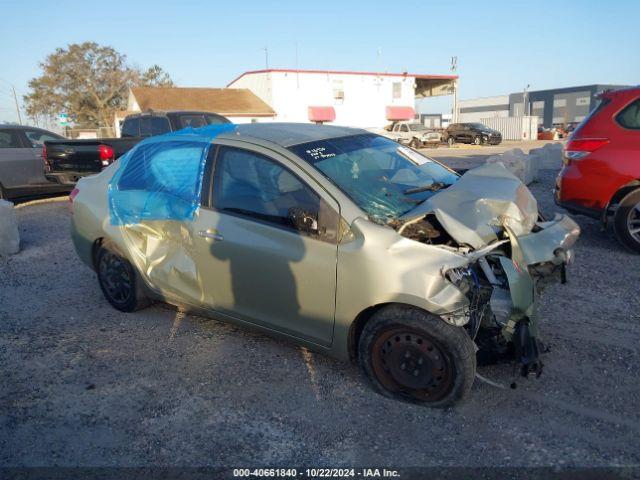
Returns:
(9,234)
(518,163)
(548,157)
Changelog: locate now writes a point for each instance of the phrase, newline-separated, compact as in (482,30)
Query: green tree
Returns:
(89,82)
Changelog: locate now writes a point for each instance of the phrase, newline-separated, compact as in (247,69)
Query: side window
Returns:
(158,181)
(131,127)
(217,120)
(194,121)
(404,128)
(10,139)
(37,138)
(253,185)
(629,117)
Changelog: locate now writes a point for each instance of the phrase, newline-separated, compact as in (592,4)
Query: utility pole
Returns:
(15,99)
(454,113)
(524,101)
(266,57)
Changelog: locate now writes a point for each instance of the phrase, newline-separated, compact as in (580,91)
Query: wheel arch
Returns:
(620,194)
(356,327)
(624,191)
(95,247)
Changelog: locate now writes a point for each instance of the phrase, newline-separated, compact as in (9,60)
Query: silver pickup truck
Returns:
(414,134)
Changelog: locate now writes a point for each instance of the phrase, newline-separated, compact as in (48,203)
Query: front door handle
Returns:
(210,235)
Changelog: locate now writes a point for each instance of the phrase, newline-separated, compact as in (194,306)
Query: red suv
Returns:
(601,172)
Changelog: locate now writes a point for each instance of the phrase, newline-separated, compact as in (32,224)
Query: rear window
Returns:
(629,117)
(151,126)
(130,127)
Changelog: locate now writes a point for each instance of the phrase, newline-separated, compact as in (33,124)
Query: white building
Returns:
(358,99)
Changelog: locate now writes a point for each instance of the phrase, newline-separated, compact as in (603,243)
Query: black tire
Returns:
(119,281)
(451,141)
(627,221)
(477,140)
(2,194)
(409,354)
(415,143)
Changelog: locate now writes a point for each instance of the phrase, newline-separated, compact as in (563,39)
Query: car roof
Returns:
(289,134)
(13,126)
(152,113)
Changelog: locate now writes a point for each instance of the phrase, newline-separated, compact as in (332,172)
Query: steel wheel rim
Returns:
(116,277)
(412,364)
(633,222)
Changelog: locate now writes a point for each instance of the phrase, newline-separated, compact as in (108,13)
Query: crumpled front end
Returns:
(511,255)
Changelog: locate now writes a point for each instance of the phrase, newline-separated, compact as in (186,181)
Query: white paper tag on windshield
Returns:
(415,157)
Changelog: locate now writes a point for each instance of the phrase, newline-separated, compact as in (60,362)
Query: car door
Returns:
(266,244)
(404,132)
(36,139)
(467,133)
(16,159)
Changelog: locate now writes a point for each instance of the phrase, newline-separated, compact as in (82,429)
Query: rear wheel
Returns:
(411,355)
(627,221)
(2,194)
(451,141)
(477,140)
(119,281)
(415,143)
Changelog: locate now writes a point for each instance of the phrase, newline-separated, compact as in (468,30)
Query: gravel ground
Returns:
(85,385)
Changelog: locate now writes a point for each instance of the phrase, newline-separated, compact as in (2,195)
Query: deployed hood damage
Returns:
(475,209)
(490,218)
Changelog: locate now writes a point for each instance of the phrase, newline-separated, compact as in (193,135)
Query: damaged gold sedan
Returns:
(337,239)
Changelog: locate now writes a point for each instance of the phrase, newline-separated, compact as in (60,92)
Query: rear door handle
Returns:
(210,235)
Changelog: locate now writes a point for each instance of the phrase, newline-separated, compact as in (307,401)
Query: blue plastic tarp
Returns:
(161,177)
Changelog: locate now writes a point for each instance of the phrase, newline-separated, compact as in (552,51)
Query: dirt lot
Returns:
(85,385)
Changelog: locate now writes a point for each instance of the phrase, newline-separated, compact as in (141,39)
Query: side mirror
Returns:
(303,221)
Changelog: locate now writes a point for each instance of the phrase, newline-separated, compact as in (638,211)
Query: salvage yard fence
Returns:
(514,128)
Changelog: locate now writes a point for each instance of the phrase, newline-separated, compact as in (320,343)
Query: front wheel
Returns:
(119,281)
(411,355)
(415,143)
(627,221)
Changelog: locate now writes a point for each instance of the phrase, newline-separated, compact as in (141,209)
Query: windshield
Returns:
(383,178)
(480,126)
(414,127)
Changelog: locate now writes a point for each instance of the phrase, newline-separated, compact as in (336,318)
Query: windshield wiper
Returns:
(434,187)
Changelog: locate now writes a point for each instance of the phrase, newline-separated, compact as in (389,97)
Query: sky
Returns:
(501,45)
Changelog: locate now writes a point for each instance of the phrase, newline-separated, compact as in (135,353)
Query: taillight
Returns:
(74,193)
(580,148)
(106,155)
(47,165)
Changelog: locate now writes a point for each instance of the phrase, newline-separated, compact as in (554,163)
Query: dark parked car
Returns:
(601,173)
(475,133)
(21,164)
(68,160)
